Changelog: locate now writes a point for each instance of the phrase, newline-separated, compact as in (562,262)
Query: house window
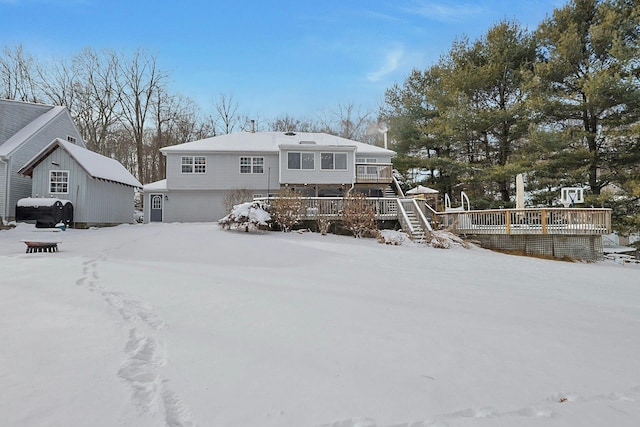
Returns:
(194,164)
(251,164)
(58,182)
(366,160)
(71,139)
(301,161)
(333,161)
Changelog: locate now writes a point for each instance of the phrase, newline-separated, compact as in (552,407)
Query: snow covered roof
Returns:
(422,190)
(156,186)
(269,142)
(23,134)
(96,165)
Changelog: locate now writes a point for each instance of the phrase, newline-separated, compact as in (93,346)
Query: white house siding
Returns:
(193,206)
(21,186)
(317,175)
(222,173)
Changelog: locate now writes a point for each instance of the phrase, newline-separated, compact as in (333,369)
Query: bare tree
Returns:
(226,114)
(347,121)
(97,108)
(139,80)
(288,123)
(17,75)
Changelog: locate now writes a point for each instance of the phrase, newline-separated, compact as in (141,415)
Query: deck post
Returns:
(508,221)
(544,221)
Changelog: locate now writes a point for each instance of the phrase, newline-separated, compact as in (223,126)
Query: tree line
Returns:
(560,104)
(125,108)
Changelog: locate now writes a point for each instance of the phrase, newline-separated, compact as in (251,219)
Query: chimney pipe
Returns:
(253,126)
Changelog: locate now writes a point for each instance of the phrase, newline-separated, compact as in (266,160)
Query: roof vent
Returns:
(290,133)
(308,142)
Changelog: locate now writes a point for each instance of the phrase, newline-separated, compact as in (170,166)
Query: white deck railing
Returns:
(592,221)
(374,173)
(583,221)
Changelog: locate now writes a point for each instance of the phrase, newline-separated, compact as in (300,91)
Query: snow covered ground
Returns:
(186,324)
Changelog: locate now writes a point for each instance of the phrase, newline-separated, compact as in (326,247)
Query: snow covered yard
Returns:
(186,324)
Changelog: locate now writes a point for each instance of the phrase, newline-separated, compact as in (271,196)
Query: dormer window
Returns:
(71,139)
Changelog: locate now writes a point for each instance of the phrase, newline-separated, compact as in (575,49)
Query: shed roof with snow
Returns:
(94,164)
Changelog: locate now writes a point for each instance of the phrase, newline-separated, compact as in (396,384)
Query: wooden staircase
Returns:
(418,233)
(389,192)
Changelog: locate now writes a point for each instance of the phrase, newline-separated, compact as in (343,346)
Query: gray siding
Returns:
(106,202)
(19,185)
(193,206)
(317,175)
(222,173)
(16,115)
(94,201)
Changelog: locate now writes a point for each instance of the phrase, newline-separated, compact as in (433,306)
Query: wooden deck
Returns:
(530,221)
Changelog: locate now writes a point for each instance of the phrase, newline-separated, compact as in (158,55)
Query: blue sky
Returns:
(280,57)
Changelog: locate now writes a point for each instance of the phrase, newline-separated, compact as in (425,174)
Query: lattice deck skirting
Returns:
(579,247)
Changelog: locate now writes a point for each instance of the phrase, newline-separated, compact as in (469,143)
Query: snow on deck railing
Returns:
(587,221)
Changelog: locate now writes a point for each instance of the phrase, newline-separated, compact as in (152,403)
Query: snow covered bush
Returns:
(445,239)
(393,237)
(249,216)
(236,197)
(288,208)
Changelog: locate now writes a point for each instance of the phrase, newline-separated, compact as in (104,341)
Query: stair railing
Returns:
(396,186)
(423,219)
(403,218)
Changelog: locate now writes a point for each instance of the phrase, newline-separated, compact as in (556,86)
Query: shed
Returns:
(100,189)
(49,211)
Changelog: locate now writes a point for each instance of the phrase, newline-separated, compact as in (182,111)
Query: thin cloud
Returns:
(392,61)
(439,11)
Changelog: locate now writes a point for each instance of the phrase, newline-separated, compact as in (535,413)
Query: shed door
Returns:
(155,212)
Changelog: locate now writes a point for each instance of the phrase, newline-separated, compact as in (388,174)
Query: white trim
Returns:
(251,165)
(194,166)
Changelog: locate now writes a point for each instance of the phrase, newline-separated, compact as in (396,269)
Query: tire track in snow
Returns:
(145,355)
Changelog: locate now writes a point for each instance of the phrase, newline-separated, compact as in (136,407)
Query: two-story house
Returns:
(25,129)
(200,174)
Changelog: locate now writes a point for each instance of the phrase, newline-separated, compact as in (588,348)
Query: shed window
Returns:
(251,164)
(333,161)
(301,161)
(58,182)
(194,164)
